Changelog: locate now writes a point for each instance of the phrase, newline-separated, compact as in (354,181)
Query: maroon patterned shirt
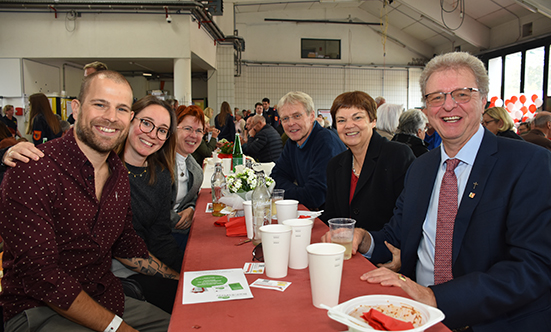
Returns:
(59,239)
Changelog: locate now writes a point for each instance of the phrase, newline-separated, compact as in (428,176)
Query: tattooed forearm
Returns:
(149,266)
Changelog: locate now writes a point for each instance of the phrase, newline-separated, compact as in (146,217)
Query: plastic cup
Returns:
(342,232)
(300,239)
(325,264)
(286,209)
(277,195)
(276,240)
(248,208)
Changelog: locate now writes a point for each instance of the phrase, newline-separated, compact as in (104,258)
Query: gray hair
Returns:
(388,116)
(541,119)
(64,125)
(411,121)
(297,97)
(456,61)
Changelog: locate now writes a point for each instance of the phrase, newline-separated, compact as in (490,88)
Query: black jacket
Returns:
(416,144)
(265,146)
(381,182)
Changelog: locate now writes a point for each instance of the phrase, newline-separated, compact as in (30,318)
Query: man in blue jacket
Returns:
(474,239)
(301,168)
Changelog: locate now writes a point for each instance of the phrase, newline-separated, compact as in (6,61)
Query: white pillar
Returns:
(182,80)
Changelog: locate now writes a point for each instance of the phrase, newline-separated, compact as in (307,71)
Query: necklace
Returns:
(140,175)
(354,168)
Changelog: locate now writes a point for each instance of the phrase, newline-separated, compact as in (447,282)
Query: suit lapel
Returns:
(343,187)
(483,165)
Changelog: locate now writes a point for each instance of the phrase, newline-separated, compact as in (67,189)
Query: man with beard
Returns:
(63,218)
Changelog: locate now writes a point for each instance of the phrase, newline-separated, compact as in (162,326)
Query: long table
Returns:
(209,248)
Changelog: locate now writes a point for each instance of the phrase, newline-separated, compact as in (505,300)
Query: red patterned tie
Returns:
(447,210)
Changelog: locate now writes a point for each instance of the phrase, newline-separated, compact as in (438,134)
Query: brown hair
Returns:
(41,105)
(165,157)
(225,111)
(358,99)
(4,131)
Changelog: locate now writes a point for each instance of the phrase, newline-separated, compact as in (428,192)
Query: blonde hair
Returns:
(500,113)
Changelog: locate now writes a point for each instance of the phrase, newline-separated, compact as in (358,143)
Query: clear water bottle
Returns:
(262,206)
(218,183)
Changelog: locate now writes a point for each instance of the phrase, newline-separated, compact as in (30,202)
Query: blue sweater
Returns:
(302,171)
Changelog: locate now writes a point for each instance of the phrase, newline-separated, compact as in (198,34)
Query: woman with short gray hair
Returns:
(411,131)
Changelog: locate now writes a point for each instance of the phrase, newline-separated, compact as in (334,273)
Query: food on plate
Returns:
(404,312)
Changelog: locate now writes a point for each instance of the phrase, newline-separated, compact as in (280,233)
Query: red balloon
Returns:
(514,99)
(524,109)
(494,98)
(534,97)
(522,99)
(525,119)
(515,120)
(492,105)
(532,108)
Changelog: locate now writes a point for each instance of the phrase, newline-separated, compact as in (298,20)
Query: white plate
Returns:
(430,314)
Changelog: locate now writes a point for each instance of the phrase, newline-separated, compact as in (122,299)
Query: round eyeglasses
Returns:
(147,126)
(460,96)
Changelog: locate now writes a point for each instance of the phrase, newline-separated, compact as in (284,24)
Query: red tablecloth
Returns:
(208,248)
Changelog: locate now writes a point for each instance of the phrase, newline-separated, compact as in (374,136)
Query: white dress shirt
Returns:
(425,252)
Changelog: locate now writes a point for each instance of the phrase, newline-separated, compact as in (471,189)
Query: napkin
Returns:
(236,227)
(382,322)
(221,222)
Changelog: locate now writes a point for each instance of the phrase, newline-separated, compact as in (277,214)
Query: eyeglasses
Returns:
(190,130)
(486,123)
(460,96)
(147,126)
(296,117)
(258,253)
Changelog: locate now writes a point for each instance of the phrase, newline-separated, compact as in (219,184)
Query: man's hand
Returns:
(87,312)
(186,218)
(23,151)
(361,241)
(385,277)
(396,263)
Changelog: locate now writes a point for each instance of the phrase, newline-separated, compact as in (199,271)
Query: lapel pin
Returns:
(474,185)
(471,195)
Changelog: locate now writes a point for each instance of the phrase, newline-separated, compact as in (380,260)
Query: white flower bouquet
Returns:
(244,180)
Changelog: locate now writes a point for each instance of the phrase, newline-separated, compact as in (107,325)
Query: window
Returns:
(533,74)
(512,74)
(320,49)
(494,72)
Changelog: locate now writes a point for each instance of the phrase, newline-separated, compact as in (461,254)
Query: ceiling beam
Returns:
(470,30)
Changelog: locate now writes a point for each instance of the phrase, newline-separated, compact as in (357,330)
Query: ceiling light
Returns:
(146,74)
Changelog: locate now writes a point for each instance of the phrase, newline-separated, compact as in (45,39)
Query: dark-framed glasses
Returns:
(258,253)
(460,96)
(146,126)
(486,123)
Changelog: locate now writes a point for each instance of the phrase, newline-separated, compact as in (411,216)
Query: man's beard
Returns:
(87,136)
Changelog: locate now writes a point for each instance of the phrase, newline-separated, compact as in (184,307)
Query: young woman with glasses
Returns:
(149,155)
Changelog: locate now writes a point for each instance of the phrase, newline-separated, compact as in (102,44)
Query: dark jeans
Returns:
(158,291)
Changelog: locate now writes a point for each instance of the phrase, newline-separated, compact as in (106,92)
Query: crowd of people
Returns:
(439,197)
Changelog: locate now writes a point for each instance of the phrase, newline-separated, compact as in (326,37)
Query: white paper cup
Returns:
(325,263)
(286,209)
(248,208)
(226,165)
(276,242)
(300,239)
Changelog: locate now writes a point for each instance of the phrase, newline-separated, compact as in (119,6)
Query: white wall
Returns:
(323,84)
(360,45)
